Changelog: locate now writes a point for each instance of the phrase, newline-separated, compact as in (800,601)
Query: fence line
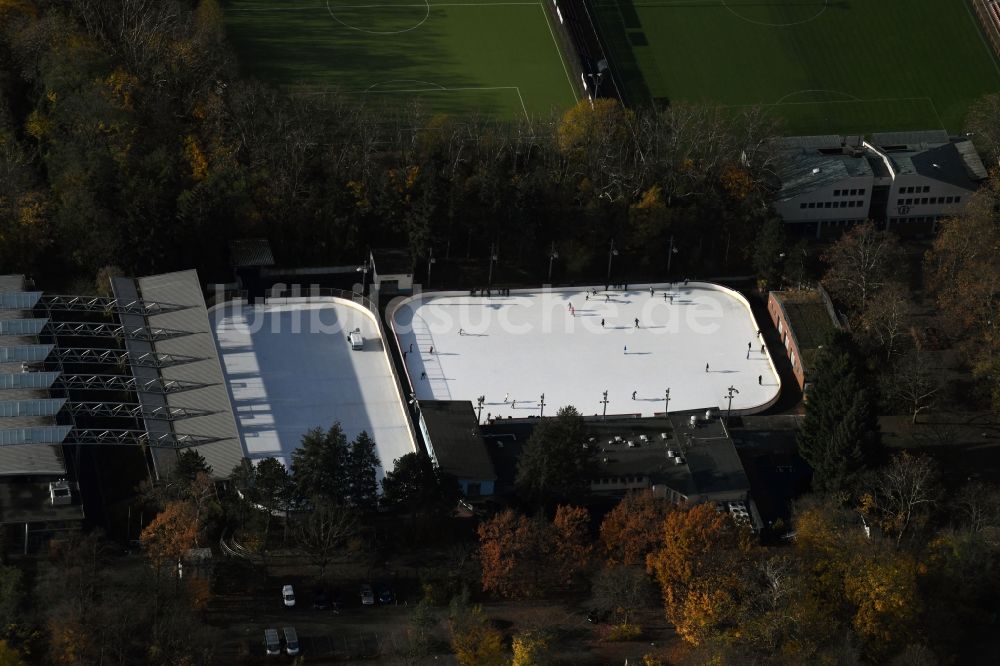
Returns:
(989,15)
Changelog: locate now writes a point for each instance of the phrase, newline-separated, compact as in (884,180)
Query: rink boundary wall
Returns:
(390,316)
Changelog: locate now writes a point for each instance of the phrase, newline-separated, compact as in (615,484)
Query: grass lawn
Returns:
(822,66)
(495,58)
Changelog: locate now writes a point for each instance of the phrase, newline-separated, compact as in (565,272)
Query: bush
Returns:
(624,632)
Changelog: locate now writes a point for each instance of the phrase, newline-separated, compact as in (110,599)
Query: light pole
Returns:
(479,403)
(602,67)
(541,406)
(612,253)
(671,253)
(493,258)
(604,416)
(430,262)
(666,407)
(363,269)
(732,390)
(552,255)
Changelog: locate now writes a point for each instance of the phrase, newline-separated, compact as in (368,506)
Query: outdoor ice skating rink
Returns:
(512,349)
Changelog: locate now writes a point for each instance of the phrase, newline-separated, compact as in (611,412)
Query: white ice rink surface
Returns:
(526,344)
(290,368)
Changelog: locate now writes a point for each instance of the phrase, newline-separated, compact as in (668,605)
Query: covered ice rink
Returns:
(573,344)
(289,368)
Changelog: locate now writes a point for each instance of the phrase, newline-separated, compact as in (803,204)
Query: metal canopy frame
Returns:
(101,330)
(136,438)
(134,410)
(125,383)
(57,303)
(88,355)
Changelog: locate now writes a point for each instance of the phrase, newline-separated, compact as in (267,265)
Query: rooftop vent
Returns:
(59,493)
(678,460)
(694,421)
(815,170)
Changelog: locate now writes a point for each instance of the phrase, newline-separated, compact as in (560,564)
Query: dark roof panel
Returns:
(456,440)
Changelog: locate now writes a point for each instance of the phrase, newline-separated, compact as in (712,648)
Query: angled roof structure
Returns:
(221,445)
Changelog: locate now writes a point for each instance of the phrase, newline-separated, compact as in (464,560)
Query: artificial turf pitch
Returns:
(821,66)
(493,58)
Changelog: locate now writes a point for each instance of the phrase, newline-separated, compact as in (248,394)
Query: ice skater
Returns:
(602,323)
(762,349)
(706,367)
(423,375)
(633,394)
(749,344)
(404,356)
(506,398)
(411,347)
(607,298)
(625,351)
(513,405)
(637,322)
(586,297)
(650,291)
(461,331)
(760,380)
(431,350)
(748,354)
(664,296)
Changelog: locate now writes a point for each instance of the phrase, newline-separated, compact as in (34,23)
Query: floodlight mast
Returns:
(430,262)
(493,258)
(363,269)
(552,255)
(612,253)
(732,390)
(604,415)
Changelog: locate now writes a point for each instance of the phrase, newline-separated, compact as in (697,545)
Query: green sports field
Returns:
(494,58)
(822,66)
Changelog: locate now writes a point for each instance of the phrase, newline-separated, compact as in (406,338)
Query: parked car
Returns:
(271,642)
(367,595)
(291,641)
(288,596)
(385,595)
(356,339)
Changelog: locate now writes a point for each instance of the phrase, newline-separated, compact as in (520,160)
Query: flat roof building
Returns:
(908,180)
(805,319)
(456,445)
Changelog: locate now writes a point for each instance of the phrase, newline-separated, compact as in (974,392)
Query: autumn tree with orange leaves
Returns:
(632,529)
(171,534)
(523,557)
(699,567)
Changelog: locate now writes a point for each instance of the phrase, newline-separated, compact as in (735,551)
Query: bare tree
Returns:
(327,534)
(884,320)
(979,506)
(902,494)
(860,264)
(621,590)
(913,383)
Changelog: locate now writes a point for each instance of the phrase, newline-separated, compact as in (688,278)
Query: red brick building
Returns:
(804,318)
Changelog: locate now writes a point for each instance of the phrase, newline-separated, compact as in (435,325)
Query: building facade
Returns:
(907,181)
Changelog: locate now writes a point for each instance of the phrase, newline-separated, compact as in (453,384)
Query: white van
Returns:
(356,339)
(291,641)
